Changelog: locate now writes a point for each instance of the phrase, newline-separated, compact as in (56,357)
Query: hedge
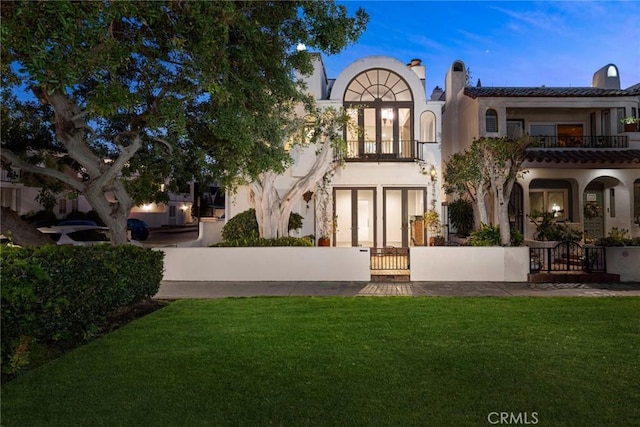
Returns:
(64,293)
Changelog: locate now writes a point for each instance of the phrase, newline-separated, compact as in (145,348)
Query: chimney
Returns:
(417,67)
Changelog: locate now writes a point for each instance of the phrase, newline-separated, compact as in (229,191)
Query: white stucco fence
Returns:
(624,261)
(469,264)
(267,264)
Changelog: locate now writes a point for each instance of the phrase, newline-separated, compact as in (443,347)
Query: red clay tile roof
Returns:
(583,156)
(476,92)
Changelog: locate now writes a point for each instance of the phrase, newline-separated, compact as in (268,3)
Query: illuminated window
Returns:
(380,104)
(554,201)
(551,195)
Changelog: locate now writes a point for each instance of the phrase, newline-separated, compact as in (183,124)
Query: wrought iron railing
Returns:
(386,151)
(568,256)
(605,141)
(389,258)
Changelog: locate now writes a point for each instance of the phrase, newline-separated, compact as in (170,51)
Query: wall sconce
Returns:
(433,172)
(184,208)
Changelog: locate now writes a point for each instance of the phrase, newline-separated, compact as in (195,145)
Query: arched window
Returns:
(428,127)
(381,105)
(491,120)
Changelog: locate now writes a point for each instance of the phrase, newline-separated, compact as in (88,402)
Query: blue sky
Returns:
(504,43)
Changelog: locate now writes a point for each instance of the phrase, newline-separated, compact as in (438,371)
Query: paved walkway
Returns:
(179,290)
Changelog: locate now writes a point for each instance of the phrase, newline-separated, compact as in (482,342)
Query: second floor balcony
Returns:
(602,141)
(385,151)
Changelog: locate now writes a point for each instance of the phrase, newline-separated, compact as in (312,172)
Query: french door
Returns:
(355,217)
(403,210)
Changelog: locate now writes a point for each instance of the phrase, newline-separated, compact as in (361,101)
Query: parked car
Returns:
(79,235)
(139,229)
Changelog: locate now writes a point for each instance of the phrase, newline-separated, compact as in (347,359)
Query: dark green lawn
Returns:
(348,361)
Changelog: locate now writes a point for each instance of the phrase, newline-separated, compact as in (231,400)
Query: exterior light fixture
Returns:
(433,172)
(301,47)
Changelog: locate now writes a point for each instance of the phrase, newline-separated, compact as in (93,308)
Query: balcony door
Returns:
(380,103)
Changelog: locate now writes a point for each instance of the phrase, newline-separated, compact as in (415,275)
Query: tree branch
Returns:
(53,173)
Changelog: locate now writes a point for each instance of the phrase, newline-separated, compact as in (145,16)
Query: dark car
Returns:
(139,229)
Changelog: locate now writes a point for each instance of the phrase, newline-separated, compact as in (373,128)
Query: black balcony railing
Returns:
(608,141)
(385,151)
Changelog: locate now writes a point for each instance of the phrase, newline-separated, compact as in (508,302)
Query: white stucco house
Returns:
(382,189)
(583,162)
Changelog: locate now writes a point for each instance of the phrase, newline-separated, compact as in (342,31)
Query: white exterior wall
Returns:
(469,264)
(267,264)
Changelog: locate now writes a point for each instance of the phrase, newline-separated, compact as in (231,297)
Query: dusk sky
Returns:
(504,43)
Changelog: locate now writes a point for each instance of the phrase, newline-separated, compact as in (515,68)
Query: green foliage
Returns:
(241,226)
(461,216)
(245,226)
(262,242)
(486,235)
(295,221)
(517,238)
(432,221)
(46,199)
(489,235)
(618,237)
(62,293)
(547,228)
(166,91)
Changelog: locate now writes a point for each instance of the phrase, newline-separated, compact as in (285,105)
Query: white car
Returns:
(79,235)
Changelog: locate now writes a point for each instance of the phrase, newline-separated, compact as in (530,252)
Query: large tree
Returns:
(489,164)
(320,131)
(141,94)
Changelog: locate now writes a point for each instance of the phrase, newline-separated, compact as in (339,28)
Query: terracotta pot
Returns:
(630,127)
(324,241)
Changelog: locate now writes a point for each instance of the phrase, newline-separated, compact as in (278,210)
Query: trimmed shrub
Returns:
(245,226)
(64,293)
(261,242)
(618,237)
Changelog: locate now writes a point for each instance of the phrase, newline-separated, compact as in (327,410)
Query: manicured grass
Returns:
(348,361)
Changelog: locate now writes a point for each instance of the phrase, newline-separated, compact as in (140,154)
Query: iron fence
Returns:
(385,259)
(568,256)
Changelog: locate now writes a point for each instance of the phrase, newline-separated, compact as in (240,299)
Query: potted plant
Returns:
(630,124)
(433,225)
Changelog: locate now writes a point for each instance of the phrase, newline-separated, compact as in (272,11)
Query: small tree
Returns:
(500,160)
(463,176)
